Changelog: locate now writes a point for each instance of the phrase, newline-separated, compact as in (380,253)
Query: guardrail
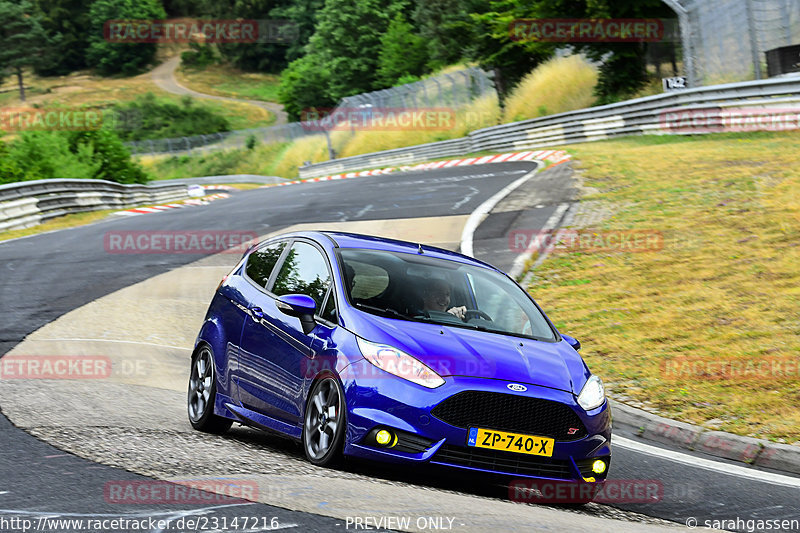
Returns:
(642,116)
(28,203)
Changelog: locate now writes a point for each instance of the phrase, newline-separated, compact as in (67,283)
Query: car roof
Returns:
(342,239)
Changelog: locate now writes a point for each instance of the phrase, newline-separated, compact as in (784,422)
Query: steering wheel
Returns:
(477,313)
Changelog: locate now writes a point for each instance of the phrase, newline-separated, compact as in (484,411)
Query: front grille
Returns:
(512,413)
(506,462)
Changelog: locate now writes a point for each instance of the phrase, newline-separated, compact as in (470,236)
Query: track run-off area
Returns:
(67,444)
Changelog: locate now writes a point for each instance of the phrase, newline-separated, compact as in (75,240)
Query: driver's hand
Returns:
(460,312)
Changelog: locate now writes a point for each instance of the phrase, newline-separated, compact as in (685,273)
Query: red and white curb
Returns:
(166,207)
(554,157)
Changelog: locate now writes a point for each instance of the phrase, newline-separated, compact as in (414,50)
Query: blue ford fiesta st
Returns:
(392,351)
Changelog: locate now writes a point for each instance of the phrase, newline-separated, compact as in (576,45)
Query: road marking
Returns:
(363,211)
(466,199)
(538,243)
(707,464)
(477,216)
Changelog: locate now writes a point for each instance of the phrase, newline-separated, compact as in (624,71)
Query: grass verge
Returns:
(707,329)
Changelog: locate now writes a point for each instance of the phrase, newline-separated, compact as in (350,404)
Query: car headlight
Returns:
(593,394)
(399,363)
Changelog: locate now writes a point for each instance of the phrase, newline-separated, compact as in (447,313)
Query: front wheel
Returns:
(203,393)
(324,425)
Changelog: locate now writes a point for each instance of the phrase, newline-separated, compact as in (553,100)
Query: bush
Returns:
(199,57)
(150,118)
(9,170)
(75,154)
(556,86)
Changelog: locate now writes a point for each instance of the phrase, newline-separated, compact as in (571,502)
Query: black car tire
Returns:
(324,423)
(202,394)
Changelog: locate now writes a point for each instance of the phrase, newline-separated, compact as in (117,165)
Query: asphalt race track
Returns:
(49,275)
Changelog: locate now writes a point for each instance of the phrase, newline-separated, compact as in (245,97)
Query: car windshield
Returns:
(423,288)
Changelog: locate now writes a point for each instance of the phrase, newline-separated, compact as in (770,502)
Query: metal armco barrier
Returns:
(642,116)
(28,203)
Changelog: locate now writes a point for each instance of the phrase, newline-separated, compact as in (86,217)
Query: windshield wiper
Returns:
(384,310)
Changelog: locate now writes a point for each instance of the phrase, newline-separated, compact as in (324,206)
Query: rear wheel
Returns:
(324,425)
(203,393)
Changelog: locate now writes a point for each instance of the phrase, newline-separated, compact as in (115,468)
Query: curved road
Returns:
(51,274)
(164,77)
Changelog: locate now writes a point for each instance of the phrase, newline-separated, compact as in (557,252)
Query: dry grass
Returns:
(556,86)
(724,288)
(223,80)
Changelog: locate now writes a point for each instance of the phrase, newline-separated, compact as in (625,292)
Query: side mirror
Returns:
(572,341)
(301,306)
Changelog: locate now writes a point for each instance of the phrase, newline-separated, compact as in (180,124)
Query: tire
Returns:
(324,423)
(202,394)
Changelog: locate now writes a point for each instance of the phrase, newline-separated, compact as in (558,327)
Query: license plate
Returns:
(510,442)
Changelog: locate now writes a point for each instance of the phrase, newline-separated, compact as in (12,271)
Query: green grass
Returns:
(724,288)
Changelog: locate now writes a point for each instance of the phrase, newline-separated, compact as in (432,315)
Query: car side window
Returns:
(304,271)
(262,261)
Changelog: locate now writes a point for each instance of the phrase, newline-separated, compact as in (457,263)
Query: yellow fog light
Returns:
(598,467)
(383,437)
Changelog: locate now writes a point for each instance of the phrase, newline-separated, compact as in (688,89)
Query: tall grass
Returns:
(558,85)
(313,148)
(482,112)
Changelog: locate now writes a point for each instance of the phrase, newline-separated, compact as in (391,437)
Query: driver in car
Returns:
(436,297)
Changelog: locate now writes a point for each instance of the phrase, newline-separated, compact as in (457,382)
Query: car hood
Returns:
(455,351)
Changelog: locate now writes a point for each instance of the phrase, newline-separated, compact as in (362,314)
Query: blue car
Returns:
(393,351)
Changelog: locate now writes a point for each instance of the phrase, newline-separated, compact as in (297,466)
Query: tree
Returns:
(622,70)
(624,65)
(65,21)
(346,39)
(120,58)
(22,39)
(304,85)
(445,26)
(493,47)
(402,53)
(303,14)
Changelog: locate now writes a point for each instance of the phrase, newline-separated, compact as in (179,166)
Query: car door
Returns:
(276,354)
(256,274)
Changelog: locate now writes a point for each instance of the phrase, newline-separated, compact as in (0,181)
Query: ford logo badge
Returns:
(516,387)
